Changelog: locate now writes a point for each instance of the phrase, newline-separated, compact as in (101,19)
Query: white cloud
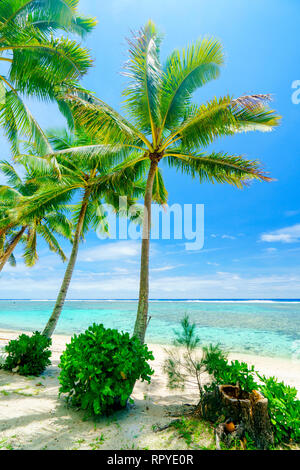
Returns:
(110,251)
(225,236)
(165,268)
(229,237)
(271,250)
(112,286)
(284,235)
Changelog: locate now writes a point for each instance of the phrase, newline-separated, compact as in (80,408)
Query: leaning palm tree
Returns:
(93,174)
(36,63)
(46,226)
(165,126)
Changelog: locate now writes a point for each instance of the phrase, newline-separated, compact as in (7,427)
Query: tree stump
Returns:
(247,411)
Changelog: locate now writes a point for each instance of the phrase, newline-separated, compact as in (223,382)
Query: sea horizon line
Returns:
(161,300)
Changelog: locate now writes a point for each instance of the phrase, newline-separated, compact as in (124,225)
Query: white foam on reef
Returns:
(167,301)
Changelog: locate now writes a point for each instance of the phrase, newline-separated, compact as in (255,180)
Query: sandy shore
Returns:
(33,417)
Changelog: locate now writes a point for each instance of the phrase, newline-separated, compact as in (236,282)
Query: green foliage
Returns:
(284,409)
(35,61)
(100,367)
(194,431)
(46,225)
(229,374)
(29,354)
(187,336)
(183,367)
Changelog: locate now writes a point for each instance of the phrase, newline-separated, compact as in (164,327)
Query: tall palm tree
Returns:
(46,225)
(92,174)
(36,63)
(165,126)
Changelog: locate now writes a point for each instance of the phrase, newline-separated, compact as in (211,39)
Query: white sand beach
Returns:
(33,417)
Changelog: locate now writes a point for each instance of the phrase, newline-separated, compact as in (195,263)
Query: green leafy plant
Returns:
(186,365)
(28,355)
(100,367)
(284,409)
(228,373)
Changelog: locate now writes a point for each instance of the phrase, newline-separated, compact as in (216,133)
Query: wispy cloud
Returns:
(165,268)
(284,235)
(110,251)
(229,237)
(110,286)
(271,250)
(224,236)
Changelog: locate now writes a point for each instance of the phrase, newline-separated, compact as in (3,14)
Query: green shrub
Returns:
(28,355)
(284,409)
(225,373)
(100,367)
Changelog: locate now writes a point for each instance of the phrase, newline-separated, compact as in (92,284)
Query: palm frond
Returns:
(102,122)
(17,121)
(221,117)
(47,15)
(43,201)
(218,167)
(30,254)
(186,71)
(59,223)
(40,65)
(13,179)
(159,193)
(144,71)
(52,242)
(12,261)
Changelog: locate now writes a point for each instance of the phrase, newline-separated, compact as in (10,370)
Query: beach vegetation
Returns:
(100,367)
(28,355)
(185,364)
(284,408)
(194,432)
(223,372)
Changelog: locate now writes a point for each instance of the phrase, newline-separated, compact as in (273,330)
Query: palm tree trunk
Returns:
(52,322)
(142,312)
(11,247)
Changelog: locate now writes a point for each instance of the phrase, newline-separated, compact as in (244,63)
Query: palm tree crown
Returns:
(36,63)
(46,225)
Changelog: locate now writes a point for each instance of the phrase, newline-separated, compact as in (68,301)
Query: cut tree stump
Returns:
(248,412)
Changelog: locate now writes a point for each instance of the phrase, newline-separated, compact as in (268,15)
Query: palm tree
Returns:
(46,225)
(165,126)
(86,170)
(36,63)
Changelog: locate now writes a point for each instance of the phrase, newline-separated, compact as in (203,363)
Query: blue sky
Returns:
(252,236)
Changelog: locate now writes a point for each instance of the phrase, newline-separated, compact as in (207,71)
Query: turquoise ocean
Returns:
(266,328)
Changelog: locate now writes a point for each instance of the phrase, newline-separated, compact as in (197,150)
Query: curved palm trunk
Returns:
(142,312)
(52,322)
(11,247)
